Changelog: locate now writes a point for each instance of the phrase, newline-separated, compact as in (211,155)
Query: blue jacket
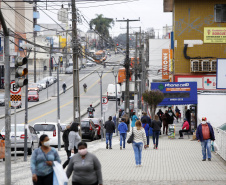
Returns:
(122,128)
(134,119)
(146,128)
(199,135)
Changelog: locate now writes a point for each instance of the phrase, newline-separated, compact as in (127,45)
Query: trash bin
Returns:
(2,149)
(45,68)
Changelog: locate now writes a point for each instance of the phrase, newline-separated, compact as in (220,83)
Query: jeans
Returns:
(147,139)
(156,138)
(137,147)
(123,139)
(206,145)
(44,180)
(109,138)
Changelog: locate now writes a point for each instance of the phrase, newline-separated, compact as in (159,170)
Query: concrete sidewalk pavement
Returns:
(175,162)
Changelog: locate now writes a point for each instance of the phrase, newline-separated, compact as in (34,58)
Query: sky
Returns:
(150,13)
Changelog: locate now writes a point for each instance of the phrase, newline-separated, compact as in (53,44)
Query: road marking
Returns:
(65,103)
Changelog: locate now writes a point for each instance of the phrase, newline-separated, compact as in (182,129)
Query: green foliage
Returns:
(153,98)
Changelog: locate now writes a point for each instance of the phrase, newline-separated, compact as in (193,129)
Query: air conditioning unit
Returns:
(213,65)
(205,65)
(194,65)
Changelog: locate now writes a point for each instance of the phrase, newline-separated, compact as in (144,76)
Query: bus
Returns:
(99,56)
(122,75)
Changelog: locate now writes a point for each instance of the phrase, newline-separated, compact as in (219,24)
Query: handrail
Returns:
(220,139)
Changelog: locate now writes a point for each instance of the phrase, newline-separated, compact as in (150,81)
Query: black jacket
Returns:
(109,126)
(156,125)
(65,139)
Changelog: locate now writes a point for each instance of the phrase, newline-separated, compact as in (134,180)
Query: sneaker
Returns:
(120,148)
(154,146)
(180,138)
(209,159)
(204,160)
(106,146)
(110,148)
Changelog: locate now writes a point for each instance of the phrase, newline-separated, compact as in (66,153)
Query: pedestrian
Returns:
(85,166)
(139,140)
(188,115)
(66,144)
(145,125)
(160,113)
(122,128)
(134,119)
(115,121)
(74,138)
(156,126)
(165,121)
(64,86)
(42,162)
(185,128)
(110,128)
(177,113)
(145,116)
(172,115)
(205,134)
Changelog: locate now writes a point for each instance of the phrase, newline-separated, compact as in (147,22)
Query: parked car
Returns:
(69,70)
(33,87)
(39,86)
(50,129)
(43,83)
(32,137)
(49,80)
(111,94)
(2,99)
(89,129)
(33,96)
(90,64)
(122,108)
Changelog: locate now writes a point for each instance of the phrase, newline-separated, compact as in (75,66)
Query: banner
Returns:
(165,63)
(215,35)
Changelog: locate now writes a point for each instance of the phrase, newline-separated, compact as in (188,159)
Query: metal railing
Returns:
(220,139)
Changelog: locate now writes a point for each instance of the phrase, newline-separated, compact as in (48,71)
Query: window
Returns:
(44,127)
(220,12)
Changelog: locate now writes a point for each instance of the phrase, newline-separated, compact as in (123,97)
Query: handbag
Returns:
(130,140)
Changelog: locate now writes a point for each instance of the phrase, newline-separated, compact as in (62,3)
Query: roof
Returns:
(168,5)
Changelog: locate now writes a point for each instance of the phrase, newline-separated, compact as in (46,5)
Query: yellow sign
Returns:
(62,42)
(215,35)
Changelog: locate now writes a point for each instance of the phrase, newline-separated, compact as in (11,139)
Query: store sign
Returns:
(177,93)
(221,73)
(165,64)
(215,35)
(204,82)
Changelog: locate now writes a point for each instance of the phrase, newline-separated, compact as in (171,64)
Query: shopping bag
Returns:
(59,175)
(215,147)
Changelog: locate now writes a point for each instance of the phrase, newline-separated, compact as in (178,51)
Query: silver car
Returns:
(32,138)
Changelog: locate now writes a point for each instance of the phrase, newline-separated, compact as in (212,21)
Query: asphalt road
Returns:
(48,111)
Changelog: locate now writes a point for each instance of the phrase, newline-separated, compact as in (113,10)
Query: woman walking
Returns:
(156,126)
(145,125)
(134,119)
(165,121)
(138,141)
(42,161)
(74,138)
(85,166)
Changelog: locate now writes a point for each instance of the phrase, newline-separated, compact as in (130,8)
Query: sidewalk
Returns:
(175,162)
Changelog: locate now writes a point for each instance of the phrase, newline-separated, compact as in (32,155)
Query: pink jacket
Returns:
(185,125)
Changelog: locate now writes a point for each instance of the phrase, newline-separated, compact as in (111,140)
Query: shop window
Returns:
(220,12)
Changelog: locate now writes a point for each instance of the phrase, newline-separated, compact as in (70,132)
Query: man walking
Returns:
(205,134)
(64,86)
(110,128)
(122,128)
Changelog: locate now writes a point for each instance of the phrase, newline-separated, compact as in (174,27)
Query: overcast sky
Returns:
(150,13)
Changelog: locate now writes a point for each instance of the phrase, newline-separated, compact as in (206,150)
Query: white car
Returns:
(50,129)
(32,137)
(90,64)
(42,83)
(49,79)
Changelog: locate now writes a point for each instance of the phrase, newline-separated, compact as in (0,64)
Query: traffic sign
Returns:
(104,100)
(15,95)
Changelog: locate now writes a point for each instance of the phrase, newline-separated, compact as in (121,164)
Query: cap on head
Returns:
(204,118)
(185,119)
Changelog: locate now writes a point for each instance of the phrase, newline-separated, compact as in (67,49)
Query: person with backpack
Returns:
(145,125)
(122,128)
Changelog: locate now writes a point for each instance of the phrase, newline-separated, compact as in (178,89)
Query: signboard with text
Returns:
(215,35)
(165,64)
(15,95)
(105,104)
(177,93)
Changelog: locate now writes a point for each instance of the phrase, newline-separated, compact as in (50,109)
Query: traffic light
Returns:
(117,44)
(20,72)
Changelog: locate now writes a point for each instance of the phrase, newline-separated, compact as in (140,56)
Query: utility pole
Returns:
(101,106)
(34,35)
(58,105)
(7,103)
(116,101)
(136,85)
(146,65)
(50,58)
(127,65)
(140,71)
(76,92)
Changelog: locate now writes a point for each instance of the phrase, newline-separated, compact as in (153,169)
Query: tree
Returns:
(153,98)
(102,26)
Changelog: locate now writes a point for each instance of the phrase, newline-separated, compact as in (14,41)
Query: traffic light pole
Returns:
(7,102)
(35,35)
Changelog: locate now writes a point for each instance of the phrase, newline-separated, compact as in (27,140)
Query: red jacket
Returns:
(185,125)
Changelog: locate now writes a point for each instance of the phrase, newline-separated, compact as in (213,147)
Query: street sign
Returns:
(105,104)
(15,95)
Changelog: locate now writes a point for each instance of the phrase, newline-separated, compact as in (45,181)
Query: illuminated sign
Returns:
(215,35)
(177,93)
(165,64)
